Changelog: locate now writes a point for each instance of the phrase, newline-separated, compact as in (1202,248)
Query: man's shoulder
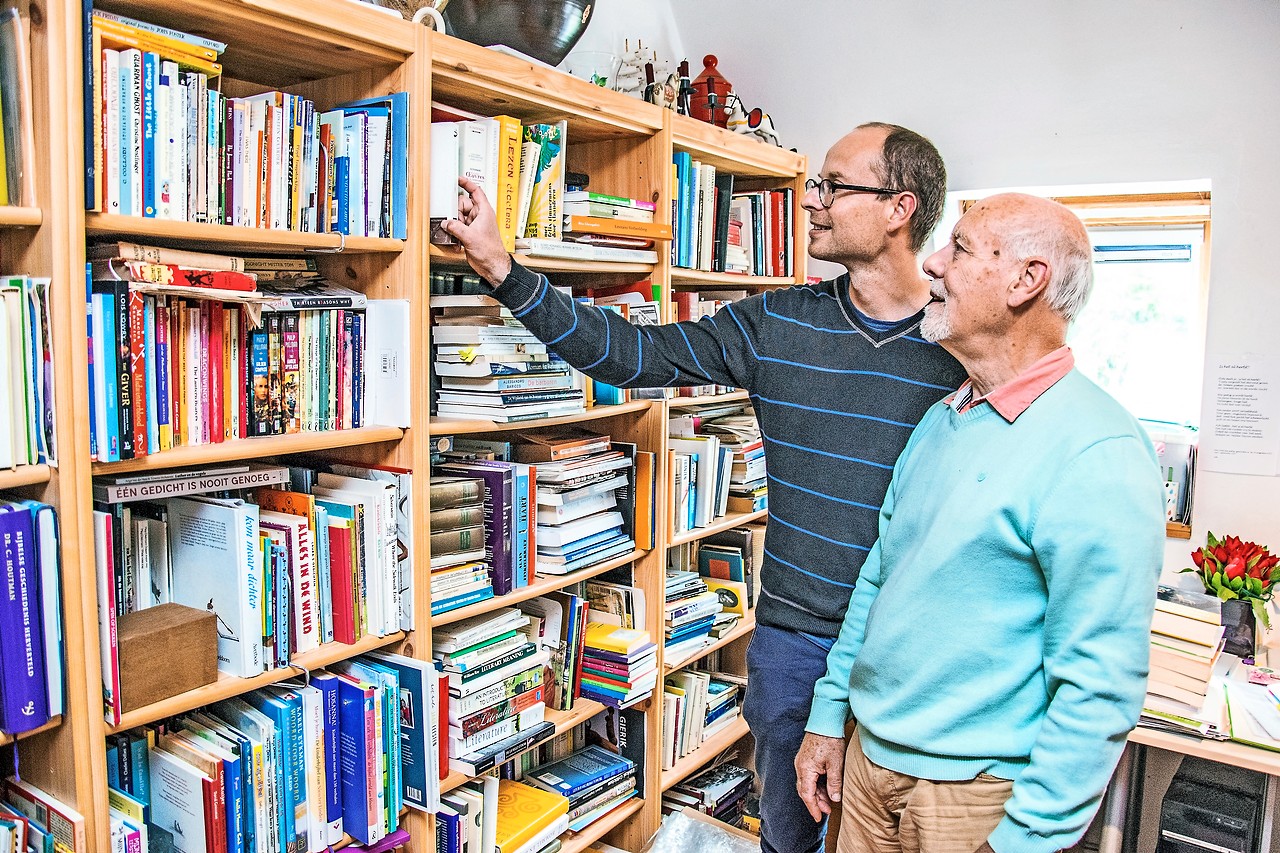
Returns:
(1080,406)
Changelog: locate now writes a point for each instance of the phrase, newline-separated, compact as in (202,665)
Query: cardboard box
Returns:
(165,650)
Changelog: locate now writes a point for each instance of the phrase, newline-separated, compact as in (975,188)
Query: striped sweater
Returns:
(836,402)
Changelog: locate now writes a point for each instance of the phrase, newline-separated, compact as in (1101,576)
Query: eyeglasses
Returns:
(827,189)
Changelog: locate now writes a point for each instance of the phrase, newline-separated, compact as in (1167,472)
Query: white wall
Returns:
(618,24)
(1045,92)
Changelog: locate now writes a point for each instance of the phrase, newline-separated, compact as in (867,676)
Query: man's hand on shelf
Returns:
(476,228)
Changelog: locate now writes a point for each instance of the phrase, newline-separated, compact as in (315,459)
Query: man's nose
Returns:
(935,265)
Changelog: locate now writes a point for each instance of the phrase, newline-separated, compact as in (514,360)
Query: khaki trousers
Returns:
(887,812)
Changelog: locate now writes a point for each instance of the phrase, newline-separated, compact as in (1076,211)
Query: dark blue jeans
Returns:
(782,667)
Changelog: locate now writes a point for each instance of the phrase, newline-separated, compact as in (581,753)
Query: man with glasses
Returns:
(838,375)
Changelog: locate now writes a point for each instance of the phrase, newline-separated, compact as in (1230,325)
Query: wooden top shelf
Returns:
(1174,530)
(24,475)
(680,276)
(449,426)
(541,585)
(454,257)
(705,754)
(724,522)
(6,738)
(227,686)
(250,448)
(743,628)
(1223,752)
(231,237)
(11,215)
(733,152)
(491,83)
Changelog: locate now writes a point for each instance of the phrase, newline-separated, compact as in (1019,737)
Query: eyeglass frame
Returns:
(812,184)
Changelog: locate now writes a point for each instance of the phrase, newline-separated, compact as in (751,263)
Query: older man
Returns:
(994,651)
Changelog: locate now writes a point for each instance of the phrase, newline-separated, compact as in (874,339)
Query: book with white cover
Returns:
(562,534)
(216,564)
(388,367)
(177,800)
(294,534)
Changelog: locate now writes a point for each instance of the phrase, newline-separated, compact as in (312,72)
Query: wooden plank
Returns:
(1174,530)
(24,475)
(230,238)
(577,842)
(12,216)
(453,257)
(724,522)
(6,738)
(733,152)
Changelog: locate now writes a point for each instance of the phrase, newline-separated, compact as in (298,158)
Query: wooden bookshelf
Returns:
(724,522)
(6,738)
(742,629)
(449,426)
(576,842)
(705,754)
(24,475)
(15,216)
(227,686)
(708,400)
(684,278)
(230,238)
(453,257)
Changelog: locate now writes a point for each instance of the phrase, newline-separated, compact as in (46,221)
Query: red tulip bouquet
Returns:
(1233,569)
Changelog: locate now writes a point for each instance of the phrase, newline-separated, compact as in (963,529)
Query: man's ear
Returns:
(1032,281)
(904,206)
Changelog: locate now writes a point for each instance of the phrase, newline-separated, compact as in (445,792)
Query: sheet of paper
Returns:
(1243,433)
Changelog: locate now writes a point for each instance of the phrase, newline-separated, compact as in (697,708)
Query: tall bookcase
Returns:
(333,51)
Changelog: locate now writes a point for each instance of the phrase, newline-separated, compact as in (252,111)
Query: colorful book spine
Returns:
(25,701)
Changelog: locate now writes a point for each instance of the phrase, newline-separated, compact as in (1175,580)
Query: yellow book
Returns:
(523,812)
(507,202)
(4,183)
(115,38)
(548,182)
(123,30)
(732,594)
(612,638)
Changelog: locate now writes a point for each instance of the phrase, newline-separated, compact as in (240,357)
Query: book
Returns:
(524,812)
(127,488)
(547,247)
(544,219)
(1185,628)
(1189,603)
(475,763)
(583,769)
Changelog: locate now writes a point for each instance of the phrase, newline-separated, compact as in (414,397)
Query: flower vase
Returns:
(1241,625)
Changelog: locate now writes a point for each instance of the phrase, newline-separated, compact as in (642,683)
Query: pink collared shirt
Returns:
(1015,396)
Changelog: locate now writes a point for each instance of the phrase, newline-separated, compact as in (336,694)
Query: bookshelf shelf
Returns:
(24,475)
(742,629)
(540,586)
(705,754)
(682,277)
(6,738)
(12,216)
(734,152)
(1225,752)
(1173,530)
(252,448)
(454,258)
(577,842)
(712,399)
(448,426)
(227,686)
(724,522)
(231,238)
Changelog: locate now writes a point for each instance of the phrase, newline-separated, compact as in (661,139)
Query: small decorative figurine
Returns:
(755,122)
(710,91)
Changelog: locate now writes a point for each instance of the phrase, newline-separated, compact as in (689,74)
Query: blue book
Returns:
(417,755)
(355,717)
(448,829)
(444,605)
(141,770)
(571,550)
(153,368)
(94,391)
(579,771)
(342,191)
(684,164)
(24,703)
(284,603)
(327,684)
(524,523)
(150,83)
(398,104)
(323,574)
(90,106)
(590,559)
(126,149)
(113,766)
(388,706)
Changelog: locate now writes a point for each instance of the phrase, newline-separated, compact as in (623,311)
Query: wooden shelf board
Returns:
(6,738)
(742,629)
(1223,752)
(231,237)
(541,585)
(488,82)
(450,426)
(252,448)
(681,276)
(12,215)
(724,522)
(227,686)
(453,257)
(24,475)
(577,842)
(705,754)
(1174,530)
(708,400)
(733,152)
(583,710)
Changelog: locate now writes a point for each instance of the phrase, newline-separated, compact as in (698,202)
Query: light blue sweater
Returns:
(1000,622)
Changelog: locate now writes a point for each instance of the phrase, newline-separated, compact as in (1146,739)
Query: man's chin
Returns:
(934,332)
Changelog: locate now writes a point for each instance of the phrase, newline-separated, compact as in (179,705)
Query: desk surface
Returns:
(1223,751)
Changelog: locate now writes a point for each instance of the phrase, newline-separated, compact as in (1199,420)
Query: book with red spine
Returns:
(115,269)
(342,585)
(214,376)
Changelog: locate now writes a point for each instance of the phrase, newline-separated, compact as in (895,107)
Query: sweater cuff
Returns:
(827,718)
(1011,837)
(520,288)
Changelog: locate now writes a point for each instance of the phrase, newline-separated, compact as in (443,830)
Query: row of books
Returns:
(690,610)
(719,230)
(695,706)
(690,305)
(287,558)
(290,767)
(31,652)
(39,822)
(167,144)
(1187,639)
(27,404)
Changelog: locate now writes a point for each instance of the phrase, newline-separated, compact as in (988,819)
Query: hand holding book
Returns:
(476,228)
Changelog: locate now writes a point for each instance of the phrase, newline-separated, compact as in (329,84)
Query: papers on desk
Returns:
(1254,718)
(1233,710)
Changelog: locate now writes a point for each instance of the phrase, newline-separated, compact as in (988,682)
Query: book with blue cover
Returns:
(579,771)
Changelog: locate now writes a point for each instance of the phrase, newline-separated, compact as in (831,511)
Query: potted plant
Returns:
(1242,574)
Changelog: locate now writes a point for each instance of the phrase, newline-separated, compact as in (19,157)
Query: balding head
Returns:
(1029,226)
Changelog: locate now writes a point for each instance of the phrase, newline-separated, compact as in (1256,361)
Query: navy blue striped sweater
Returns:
(836,402)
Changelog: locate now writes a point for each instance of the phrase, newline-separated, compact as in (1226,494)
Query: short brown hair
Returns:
(909,161)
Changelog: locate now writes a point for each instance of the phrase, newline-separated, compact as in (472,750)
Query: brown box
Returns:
(165,650)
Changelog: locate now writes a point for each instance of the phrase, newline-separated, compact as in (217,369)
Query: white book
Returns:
(443,198)
(478,154)
(707,449)
(255,174)
(131,126)
(577,509)
(313,743)
(177,800)
(402,481)
(294,533)
(388,365)
(112,153)
(178,151)
(468,632)
(563,534)
(548,834)
(544,248)
(164,139)
(378,127)
(216,560)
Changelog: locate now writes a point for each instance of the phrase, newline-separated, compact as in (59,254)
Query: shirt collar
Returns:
(1016,396)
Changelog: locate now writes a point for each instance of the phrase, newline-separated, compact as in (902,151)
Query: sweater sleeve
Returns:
(606,347)
(1099,538)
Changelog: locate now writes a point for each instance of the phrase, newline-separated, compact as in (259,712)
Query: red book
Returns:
(138,371)
(342,586)
(778,221)
(118,269)
(215,377)
(442,690)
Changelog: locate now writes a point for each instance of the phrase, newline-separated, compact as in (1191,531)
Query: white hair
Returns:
(1070,262)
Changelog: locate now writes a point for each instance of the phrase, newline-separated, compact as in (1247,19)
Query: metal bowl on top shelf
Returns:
(544,29)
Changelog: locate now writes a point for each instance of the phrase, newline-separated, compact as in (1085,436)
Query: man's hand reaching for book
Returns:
(820,756)
(476,228)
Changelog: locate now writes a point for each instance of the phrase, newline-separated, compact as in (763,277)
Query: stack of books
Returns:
(594,780)
(480,363)
(724,705)
(619,665)
(720,792)
(748,482)
(31,664)
(459,573)
(685,696)
(26,372)
(690,611)
(495,677)
(1186,653)
(38,817)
